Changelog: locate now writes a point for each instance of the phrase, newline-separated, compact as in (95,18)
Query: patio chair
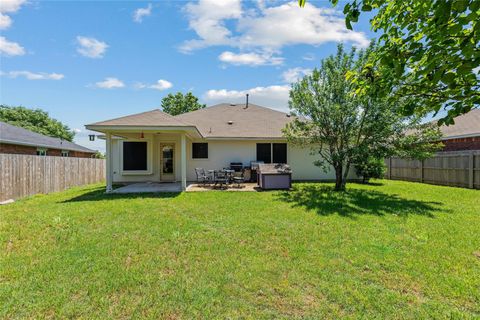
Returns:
(221,177)
(239,178)
(202,177)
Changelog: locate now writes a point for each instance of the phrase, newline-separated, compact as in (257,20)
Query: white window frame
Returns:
(65,153)
(42,152)
(149,159)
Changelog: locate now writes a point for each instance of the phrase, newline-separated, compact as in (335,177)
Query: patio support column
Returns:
(183,153)
(108,162)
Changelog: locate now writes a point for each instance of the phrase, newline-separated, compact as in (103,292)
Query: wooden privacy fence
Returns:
(23,175)
(457,169)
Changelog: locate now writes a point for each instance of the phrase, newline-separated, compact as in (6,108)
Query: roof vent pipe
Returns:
(246,104)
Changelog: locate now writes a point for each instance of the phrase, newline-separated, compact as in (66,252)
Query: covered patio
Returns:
(155,187)
(146,151)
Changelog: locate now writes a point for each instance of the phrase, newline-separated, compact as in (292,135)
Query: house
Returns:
(154,146)
(464,134)
(17,140)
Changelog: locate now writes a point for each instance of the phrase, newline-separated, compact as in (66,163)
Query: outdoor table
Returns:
(228,172)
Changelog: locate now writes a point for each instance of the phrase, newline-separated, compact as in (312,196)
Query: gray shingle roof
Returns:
(16,135)
(237,121)
(218,121)
(466,125)
(148,118)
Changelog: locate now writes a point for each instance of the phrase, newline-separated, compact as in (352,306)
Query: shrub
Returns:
(370,167)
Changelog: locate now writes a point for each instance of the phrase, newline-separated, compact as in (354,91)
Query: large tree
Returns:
(179,103)
(343,127)
(433,47)
(35,120)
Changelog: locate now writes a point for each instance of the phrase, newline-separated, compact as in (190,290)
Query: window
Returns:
(199,150)
(41,152)
(135,155)
(272,152)
(64,153)
(264,152)
(279,152)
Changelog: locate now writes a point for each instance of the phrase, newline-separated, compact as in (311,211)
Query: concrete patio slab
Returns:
(195,187)
(152,187)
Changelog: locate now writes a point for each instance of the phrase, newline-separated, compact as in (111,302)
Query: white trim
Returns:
(181,129)
(108,163)
(247,138)
(149,170)
(183,162)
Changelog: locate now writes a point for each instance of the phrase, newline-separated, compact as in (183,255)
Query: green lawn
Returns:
(388,250)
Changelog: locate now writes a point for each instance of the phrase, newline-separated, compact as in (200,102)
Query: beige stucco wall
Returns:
(153,163)
(220,153)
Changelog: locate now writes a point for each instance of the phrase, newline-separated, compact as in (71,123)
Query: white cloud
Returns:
(76,130)
(207,19)
(8,6)
(275,97)
(266,28)
(91,47)
(110,83)
(34,76)
(140,13)
(5,21)
(9,48)
(294,74)
(251,59)
(159,85)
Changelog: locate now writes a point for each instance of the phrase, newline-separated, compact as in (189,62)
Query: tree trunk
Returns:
(345,175)
(339,183)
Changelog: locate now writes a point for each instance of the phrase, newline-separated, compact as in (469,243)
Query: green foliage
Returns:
(179,103)
(341,125)
(431,46)
(370,167)
(35,120)
(99,155)
(393,250)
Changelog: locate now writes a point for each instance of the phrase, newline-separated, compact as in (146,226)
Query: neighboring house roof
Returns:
(237,121)
(466,125)
(16,135)
(154,118)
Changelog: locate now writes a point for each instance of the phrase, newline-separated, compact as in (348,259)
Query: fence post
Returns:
(421,170)
(471,164)
(390,168)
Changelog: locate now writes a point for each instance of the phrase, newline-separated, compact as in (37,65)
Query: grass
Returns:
(389,250)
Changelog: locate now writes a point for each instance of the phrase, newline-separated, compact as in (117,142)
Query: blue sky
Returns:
(86,61)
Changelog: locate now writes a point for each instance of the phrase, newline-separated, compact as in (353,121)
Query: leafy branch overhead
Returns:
(432,47)
(35,120)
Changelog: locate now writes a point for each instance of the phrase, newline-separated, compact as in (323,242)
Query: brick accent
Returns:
(19,149)
(471,143)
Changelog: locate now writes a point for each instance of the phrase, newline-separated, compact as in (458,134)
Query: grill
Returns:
(254,168)
(236,166)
